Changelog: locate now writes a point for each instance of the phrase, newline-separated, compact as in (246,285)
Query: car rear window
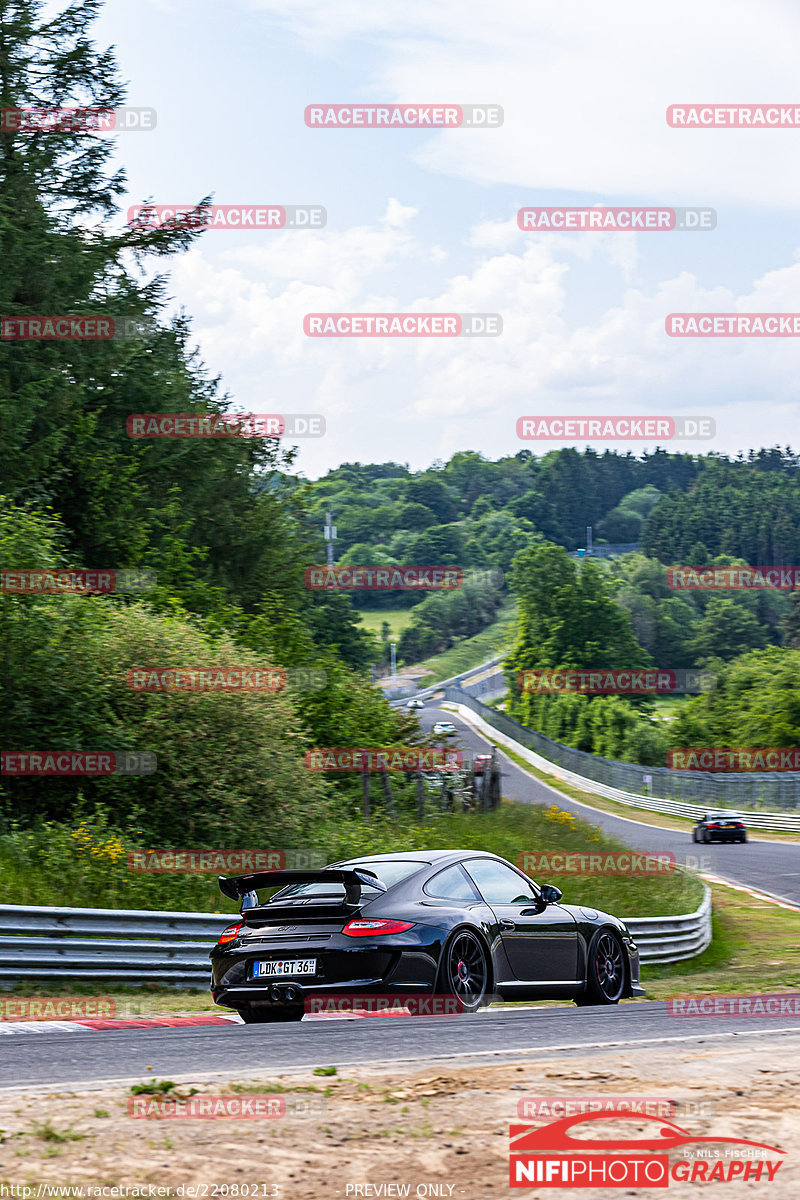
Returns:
(451,884)
(390,872)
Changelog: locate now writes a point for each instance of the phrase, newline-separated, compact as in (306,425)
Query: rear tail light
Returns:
(375,928)
(230,934)
(712,826)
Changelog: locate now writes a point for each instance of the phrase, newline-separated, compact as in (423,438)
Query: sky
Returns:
(425,221)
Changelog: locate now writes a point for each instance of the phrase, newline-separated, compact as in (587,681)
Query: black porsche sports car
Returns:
(719,827)
(445,922)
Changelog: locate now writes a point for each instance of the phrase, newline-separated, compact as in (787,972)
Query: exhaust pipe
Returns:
(283,995)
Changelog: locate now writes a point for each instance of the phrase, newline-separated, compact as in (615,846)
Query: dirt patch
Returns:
(440,1132)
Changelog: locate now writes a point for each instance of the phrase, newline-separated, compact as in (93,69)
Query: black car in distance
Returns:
(719,827)
(445,922)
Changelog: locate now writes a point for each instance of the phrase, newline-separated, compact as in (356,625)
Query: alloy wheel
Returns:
(609,967)
(467,971)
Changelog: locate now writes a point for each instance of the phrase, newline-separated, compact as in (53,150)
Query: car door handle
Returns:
(507,924)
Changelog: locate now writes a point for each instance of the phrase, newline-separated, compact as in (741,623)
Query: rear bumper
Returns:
(277,994)
(408,965)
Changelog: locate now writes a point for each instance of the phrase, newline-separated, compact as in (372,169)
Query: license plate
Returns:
(285,966)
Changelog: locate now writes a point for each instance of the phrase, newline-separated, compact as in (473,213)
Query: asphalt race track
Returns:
(771,867)
(38,1056)
(67,1057)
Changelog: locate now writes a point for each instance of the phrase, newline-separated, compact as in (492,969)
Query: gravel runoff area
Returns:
(439,1130)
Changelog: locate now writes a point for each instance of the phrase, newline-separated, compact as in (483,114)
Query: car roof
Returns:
(421,856)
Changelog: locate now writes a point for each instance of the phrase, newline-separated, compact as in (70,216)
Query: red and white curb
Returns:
(111,1024)
(99,1025)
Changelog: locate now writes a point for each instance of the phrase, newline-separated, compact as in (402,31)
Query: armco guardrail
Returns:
(408,690)
(684,793)
(105,943)
(671,939)
(96,944)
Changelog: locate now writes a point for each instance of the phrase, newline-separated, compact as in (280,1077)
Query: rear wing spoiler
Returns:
(236,887)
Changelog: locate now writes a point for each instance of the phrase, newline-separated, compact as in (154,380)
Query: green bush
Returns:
(229,764)
(85,864)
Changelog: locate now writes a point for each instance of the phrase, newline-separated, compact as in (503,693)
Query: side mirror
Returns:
(550,894)
(249,900)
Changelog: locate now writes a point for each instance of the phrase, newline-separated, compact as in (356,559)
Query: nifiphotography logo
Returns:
(564,1154)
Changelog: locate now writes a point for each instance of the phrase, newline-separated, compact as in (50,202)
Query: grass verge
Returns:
(87,867)
(398,619)
(495,639)
(756,948)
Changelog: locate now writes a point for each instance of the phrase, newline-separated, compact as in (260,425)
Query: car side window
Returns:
(498,884)
(451,884)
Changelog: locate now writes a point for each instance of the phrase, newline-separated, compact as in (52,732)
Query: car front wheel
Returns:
(605,970)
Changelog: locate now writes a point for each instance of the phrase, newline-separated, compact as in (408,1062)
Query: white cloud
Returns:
(585,88)
(415,399)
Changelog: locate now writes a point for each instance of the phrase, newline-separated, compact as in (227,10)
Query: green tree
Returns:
(726,631)
(435,495)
